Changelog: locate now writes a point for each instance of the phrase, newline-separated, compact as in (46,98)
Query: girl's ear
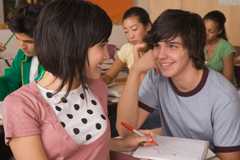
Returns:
(220,31)
(148,27)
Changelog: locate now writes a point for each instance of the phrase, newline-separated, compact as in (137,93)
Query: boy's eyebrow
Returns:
(26,41)
(174,42)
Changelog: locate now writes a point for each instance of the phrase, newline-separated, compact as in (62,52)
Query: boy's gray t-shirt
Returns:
(209,112)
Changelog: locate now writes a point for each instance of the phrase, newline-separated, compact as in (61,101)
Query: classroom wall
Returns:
(155,7)
(1,12)
(232,13)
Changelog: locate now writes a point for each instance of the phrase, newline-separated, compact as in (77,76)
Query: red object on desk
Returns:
(131,129)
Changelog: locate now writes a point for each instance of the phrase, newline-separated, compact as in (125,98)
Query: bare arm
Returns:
(128,109)
(228,67)
(229,155)
(28,148)
(113,71)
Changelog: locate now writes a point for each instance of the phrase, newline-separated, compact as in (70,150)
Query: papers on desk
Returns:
(114,93)
(116,87)
(174,148)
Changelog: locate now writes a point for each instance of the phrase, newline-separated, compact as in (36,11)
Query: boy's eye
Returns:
(172,46)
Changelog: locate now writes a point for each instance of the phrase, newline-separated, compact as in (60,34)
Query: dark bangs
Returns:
(24,19)
(101,28)
(65,32)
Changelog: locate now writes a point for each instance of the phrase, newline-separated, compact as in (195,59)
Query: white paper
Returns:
(173,148)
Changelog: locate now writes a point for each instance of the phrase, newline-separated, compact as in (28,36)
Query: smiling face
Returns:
(212,30)
(26,43)
(134,29)
(172,57)
(96,55)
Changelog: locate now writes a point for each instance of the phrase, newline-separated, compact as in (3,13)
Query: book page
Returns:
(173,148)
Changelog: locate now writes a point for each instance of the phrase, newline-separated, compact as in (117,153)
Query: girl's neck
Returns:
(51,82)
(188,79)
(213,42)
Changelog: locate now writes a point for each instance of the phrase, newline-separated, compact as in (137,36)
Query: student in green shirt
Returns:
(218,51)
(25,67)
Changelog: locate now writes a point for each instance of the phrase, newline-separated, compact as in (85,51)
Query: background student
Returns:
(218,50)
(195,101)
(136,23)
(64,114)
(25,66)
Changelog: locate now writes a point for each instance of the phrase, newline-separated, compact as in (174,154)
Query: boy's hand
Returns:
(143,61)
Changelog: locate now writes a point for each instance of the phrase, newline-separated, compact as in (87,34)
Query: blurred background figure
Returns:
(219,52)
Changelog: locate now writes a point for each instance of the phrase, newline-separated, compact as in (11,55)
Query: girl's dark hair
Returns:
(25,19)
(219,18)
(188,26)
(65,31)
(141,13)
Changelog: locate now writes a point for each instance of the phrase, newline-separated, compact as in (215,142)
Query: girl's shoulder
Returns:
(126,46)
(224,43)
(225,46)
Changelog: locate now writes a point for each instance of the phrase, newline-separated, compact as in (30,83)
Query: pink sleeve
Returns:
(99,88)
(19,117)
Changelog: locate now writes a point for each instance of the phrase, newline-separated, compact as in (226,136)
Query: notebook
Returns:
(174,148)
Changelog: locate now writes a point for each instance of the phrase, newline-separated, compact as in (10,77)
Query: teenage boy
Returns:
(25,67)
(194,101)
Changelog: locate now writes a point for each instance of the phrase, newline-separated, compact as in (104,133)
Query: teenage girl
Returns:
(136,23)
(218,51)
(63,115)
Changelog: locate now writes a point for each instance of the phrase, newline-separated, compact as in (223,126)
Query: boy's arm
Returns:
(229,155)
(128,109)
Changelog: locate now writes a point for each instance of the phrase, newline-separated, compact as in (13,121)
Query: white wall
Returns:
(155,7)
(117,37)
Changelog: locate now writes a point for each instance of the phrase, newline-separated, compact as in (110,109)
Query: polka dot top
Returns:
(80,114)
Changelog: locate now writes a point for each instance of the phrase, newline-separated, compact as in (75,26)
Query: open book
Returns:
(174,148)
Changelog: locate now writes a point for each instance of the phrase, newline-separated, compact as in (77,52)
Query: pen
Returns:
(131,129)
(9,39)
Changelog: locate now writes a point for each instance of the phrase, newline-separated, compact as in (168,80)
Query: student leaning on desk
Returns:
(25,66)
(63,115)
(195,101)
